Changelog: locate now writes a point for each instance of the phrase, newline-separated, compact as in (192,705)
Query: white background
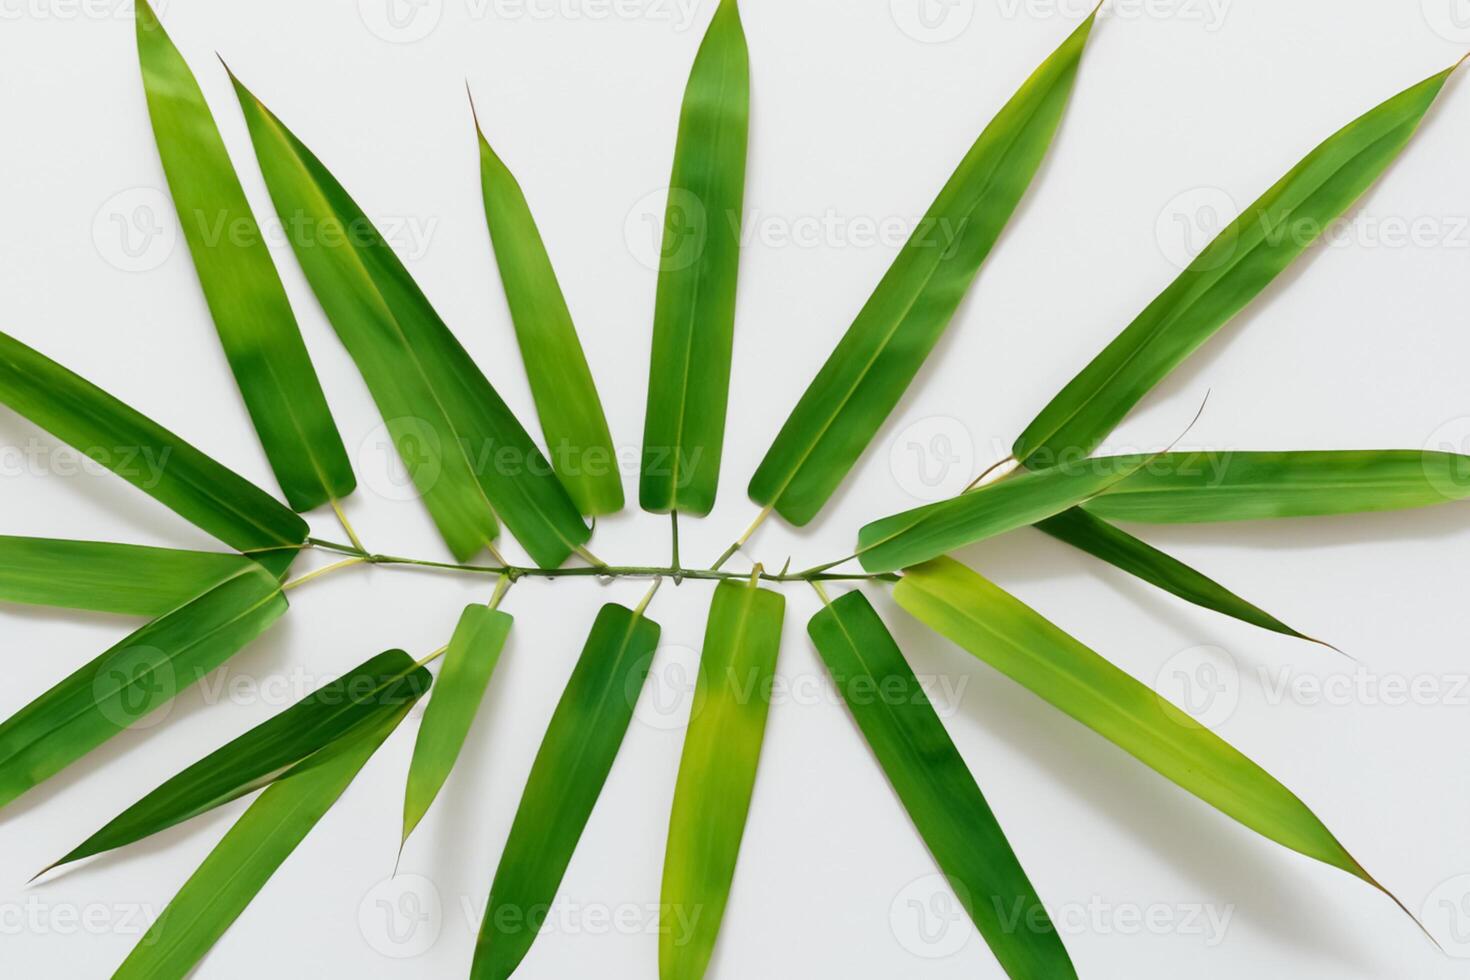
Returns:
(860,113)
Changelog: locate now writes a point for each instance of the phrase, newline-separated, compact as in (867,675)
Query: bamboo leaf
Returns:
(357,700)
(570,768)
(466,453)
(936,788)
(1231,271)
(997,628)
(144,453)
(717,773)
(133,678)
(117,578)
(468,664)
(1122,550)
(246,858)
(927,532)
(694,312)
(1203,487)
(244,292)
(572,419)
(877,359)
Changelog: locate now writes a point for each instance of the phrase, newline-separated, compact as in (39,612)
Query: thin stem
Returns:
(740,542)
(346,525)
(356,560)
(674,533)
(586,556)
(501,588)
(432,657)
(648,597)
(826,601)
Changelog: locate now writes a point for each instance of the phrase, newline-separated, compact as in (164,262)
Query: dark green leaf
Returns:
(941,796)
(882,351)
(1118,548)
(1203,487)
(144,453)
(694,313)
(245,296)
(244,860)
(717,773)
(572,419)
(467,454)
(133,678)
(357,700)
(468,664)
(1231,271)
(575,757)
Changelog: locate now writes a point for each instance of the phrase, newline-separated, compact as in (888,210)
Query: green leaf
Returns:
(244,292)
(927,532)
(572,419)
(353,702)
(1102,540)
(244,860)
(133,678)
(694,312)
(936,788)
(882,351)
(144,453)
(1011,637)
(106,577)
(1231,271)
(468,664)
(468,456)
(717,773)
(575,757)
(1204,487)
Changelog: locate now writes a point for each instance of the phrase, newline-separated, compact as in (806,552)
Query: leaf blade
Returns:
(936,787)
(144,453)
(694,310)
(878,357)
(473,653)
(1232,270)
(246,299)
(133,678)
(567,403)
(997,628)
(571,767)
(717,771)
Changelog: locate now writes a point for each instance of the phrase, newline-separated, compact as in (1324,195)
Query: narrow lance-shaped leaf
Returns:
(468,456)
(1231,271)
(996,627)
(882,351)
(572,419)
(136,676)
(144,453)
(936,788)
(116,578)
(468,663)
(1102,540)
(570,768)
(694,312)
(248,855)
(1204,487)
(353,702)
(722,748)
(935,529)
(244,292)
